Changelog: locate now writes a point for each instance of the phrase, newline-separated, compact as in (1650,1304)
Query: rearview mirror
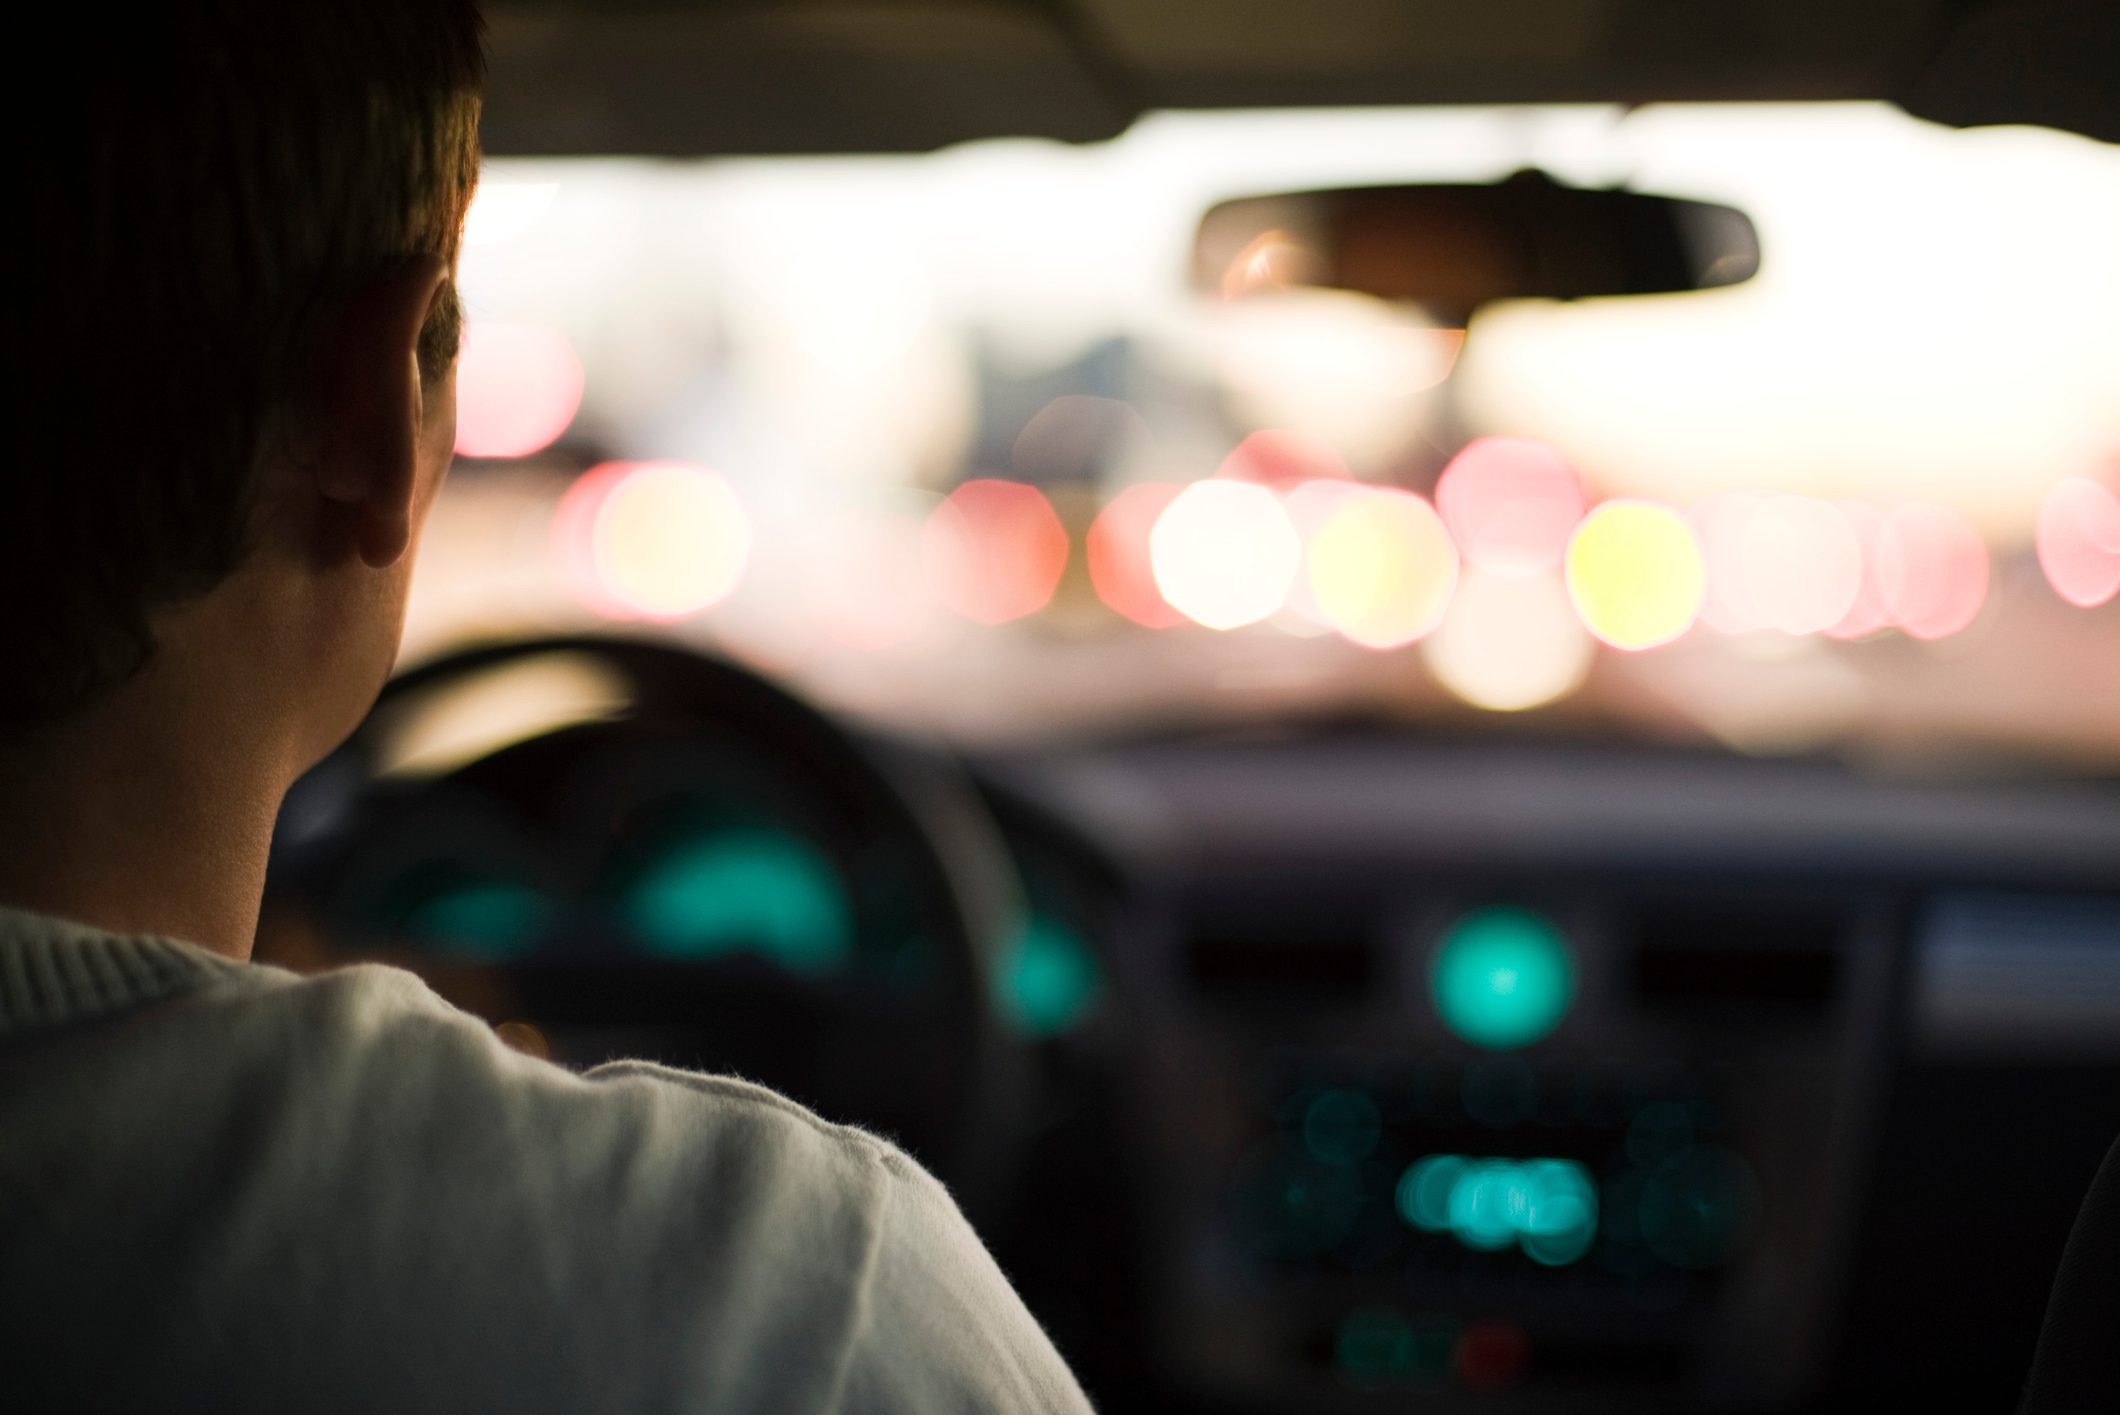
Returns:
(1454,248)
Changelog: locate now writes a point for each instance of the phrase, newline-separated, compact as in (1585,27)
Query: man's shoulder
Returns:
(827,1256)
(367,1168)
(412,1057)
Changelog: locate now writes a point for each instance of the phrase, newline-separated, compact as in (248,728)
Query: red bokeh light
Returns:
(2079,541)
(1279,455)
(1510,504)
(1933,569)
(518,386)
(997,550)
(1117,547)
(1491,1355)
(574,536)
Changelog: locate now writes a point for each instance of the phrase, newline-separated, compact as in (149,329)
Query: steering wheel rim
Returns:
(969,887)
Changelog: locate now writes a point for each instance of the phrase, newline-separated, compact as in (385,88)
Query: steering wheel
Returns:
(653,878)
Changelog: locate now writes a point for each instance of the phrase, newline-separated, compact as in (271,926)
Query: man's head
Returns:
(237,339)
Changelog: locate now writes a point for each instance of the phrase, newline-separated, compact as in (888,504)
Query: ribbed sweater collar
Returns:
(55,971)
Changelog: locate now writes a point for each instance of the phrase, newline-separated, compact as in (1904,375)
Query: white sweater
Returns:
(225,1187)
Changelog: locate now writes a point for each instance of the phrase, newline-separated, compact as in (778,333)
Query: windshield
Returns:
(921,435)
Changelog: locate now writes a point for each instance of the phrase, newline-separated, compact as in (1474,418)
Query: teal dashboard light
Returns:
(759,890)
(1380,1347)
(1425,1188)
(1502,978)
(490,920)
(1046,978)
(1545,1207)
(1342,1127)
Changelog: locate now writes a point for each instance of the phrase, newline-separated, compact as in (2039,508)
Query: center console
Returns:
(1502,1143)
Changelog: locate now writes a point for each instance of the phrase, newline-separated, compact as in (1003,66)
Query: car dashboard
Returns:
(1353,1066)
(1828,1066)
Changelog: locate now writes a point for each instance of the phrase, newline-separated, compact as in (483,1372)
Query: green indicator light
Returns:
(1697,1206)
(1289,1207)
(1046,979)
(1559,1212)
(496,921)
(1487,1206)
(751,889)
(1502,978)
(1424,1191)
(1342,1127)
(1378,1347)
(1546,1207)
(1375,1346)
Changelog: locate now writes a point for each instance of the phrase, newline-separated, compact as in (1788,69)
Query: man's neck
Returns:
(150,811)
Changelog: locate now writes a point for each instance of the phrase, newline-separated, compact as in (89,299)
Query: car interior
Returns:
(1428,691)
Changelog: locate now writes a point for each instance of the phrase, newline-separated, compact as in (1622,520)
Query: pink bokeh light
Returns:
(1933,569)
(1802,564)
(1278,456)
(1867,614)
(1510,504)
(2078,540)
(518,386)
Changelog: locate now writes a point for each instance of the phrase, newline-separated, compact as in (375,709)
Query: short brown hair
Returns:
(215,178)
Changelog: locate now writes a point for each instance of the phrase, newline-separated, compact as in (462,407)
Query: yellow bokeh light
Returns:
(669,540)
(1308,504)
(1510,644)
(1382,567)
(1224,553)
(1635,574)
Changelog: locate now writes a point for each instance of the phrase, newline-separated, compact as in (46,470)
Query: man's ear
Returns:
(369,406)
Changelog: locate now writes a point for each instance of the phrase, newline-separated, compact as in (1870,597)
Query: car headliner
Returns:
(695,78)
